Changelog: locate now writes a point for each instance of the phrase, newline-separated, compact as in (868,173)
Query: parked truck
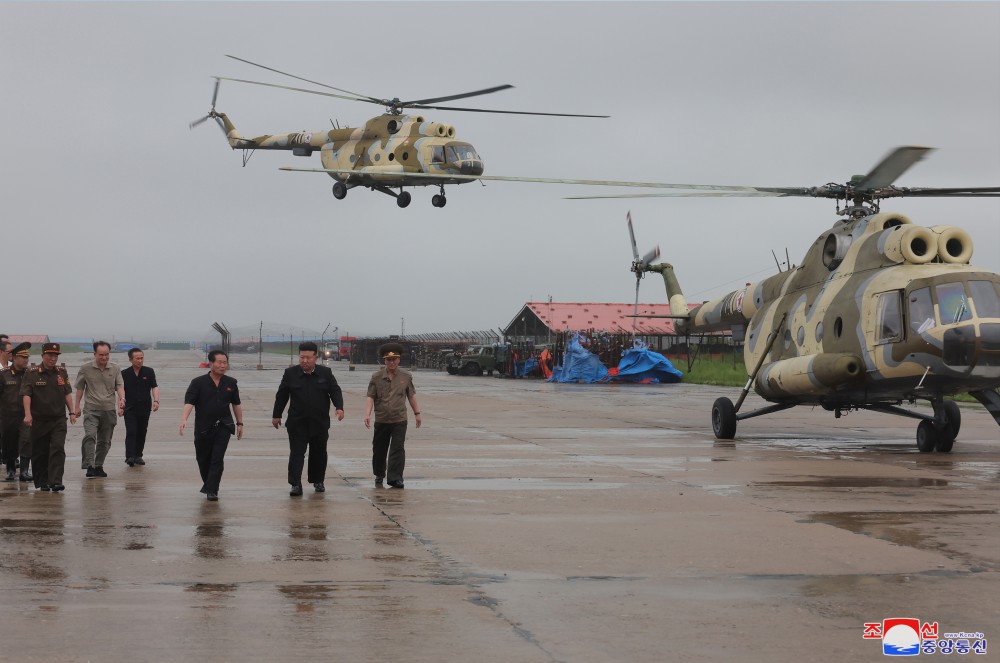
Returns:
(331,351)
(477,359)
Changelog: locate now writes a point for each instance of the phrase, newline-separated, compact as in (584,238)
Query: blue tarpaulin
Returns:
(637,365)
(640,363)
(579,365)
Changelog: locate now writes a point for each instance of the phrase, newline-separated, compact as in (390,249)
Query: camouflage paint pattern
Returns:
(386,151)
(880,310)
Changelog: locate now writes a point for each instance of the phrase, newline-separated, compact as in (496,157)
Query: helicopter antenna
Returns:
(788,260)
(776,261)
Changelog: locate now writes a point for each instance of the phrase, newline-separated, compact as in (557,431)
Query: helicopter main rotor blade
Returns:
(434,100)
(681,194)
(306,80)
(215,92)
(192,125)
(892,166)
(506,112)
(300,89)
(650,256)
(928,192)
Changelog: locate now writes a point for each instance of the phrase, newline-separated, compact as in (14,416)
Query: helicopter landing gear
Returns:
(723,419)
(938,434)
(439,200)
(339,190)
(403,199)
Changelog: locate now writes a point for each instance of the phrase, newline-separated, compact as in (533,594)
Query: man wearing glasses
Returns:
(388,391)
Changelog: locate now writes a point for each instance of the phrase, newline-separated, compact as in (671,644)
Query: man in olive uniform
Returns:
(47,395)
(16,436)
(388,392)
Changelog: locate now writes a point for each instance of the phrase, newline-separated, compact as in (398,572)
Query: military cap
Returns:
(51,348)
(22,349)
(391,350)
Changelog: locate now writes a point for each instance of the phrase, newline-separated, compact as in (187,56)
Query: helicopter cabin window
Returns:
(889,318)
(921,311)
(952,303)
(985,298)
(437,154)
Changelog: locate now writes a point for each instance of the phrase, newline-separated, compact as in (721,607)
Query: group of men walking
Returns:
(35,403)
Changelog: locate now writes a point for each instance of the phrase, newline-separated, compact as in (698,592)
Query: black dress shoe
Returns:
(320,488)
(26,476)
(296,490)
(130,462)
(396,484)
(379,482)
(56,487)
(99,472)
(213,497)
(140,461)
(11,475)
(91,473)
(44,487)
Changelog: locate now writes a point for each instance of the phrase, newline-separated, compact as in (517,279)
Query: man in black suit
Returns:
(311,388)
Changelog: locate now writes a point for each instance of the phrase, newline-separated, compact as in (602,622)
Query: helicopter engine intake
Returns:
(954,244)
(909,243)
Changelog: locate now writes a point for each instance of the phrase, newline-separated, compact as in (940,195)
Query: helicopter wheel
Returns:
(403,199)
(724,419)
(927,436)
(339,190)
(439,200)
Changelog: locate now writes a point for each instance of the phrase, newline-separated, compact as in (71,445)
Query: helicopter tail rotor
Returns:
(211,113)
(639,265)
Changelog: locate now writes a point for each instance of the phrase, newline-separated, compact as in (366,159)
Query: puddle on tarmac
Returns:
(510,483)
(863,482)
(211,588)
(899,527)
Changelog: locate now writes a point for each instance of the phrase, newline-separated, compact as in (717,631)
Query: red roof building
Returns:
(540,319)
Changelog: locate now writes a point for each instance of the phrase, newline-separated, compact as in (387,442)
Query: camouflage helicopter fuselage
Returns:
(382,153)
(880,311)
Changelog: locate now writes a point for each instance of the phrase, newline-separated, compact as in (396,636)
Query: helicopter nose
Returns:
(960,347)
(472,167)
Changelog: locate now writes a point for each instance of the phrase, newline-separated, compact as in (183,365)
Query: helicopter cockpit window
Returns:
(921,311)
(952,303)
(985,298)
(437,154)
(889,318)
(458,153)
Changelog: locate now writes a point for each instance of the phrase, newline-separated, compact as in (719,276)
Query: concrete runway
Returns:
(539,523)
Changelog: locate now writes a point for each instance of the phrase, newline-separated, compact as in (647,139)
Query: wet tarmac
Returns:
(539,523)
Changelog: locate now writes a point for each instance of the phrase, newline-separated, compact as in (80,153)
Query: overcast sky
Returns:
(120,222)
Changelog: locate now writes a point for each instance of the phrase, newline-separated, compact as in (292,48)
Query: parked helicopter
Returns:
(390,151)
(880,311)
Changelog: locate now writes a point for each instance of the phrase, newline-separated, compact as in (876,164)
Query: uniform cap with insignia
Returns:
(51,348)
(390,350)
(21,350)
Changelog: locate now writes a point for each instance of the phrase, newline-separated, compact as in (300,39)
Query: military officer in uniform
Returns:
(16,436)
(47,395)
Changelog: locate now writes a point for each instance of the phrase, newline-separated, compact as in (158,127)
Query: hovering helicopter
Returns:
(880,311)
(391,151)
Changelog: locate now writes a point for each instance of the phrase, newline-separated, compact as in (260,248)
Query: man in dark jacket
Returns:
(311,389)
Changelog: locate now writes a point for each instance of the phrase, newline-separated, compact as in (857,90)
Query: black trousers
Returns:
(388,440)
(48,450)
(298,442)
(11,436)
(136,425)
(210,451)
